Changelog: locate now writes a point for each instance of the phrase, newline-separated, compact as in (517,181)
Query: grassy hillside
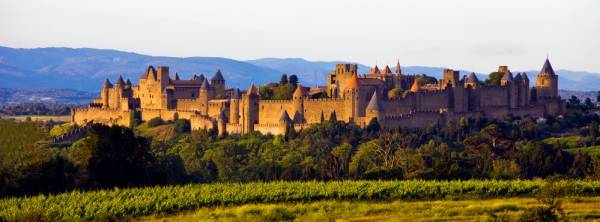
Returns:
(135,202)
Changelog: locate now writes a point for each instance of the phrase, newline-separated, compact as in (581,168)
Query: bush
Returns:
(182,125)
(156,121)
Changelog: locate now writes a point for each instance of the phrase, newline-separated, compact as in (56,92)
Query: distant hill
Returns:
(85,68)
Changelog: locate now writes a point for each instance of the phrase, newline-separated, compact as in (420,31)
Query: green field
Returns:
(506,209)
(139,202)
(592,150)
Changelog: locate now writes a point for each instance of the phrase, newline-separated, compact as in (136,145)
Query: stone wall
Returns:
(82,116)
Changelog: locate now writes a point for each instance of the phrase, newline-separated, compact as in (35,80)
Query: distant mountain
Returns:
(62,96)
(85,68)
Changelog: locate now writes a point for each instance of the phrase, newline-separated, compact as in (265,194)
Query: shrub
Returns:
(156,121)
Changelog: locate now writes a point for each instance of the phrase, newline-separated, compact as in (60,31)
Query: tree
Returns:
(395,93)
(425,79)
(494,79)
(294,81)
(265,92)
(114,156)
(588,103)
(574,102)
(598,97)
(284,80)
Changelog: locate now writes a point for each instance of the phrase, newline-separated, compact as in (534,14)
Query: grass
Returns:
(164,132)
(568,141)
(65,118)
(135,202)
(592,150)
(509,209)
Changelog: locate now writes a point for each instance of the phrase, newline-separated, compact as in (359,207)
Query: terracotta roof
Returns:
(386,70)
(547,68)
(352,83)
(374,103)
(375,70)
(415,86)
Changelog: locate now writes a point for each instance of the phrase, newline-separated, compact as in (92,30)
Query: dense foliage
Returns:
(122,203)
(159,152)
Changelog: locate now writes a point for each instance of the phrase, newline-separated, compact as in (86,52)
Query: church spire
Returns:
(398,69)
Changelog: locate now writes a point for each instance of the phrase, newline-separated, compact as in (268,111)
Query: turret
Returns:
(221,124)
(298,103)
(507,78)
(398,70)
(352,97)
(203,95)
(105,93)
(375,70)
(547,82)
(120,83)
(234,107)
(472,81)
(450,78)
(386,70)
(176,76)
(250,109)
(373,109)
(218,83)
(285,122)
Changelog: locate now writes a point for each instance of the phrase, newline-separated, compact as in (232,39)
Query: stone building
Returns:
(351,97)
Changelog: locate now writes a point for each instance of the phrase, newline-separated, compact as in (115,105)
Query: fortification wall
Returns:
(215,107)
(421,119)
(314,107)
(274,129)
(99,115)
(269,111)
(433,100)
(166,114)
(399,106)
(188,104)
(198,122)
(492,96)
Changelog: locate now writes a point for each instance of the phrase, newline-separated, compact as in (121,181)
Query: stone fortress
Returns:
(351,97)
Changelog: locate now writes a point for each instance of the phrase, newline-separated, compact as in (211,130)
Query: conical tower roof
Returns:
(386,70)
(107,84)
(176,76)
(352,83)
(398,69)
(375,70)
(547,68)
(204,85)
(472,78)
(218,76)
(120,80)
(128,82)
(525,76)
(149,71)
(415,86)
(374,103)
(299,92)
(252,90)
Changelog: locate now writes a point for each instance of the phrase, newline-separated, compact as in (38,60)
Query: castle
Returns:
(351,97)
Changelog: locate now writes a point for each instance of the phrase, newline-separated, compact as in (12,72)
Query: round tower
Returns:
(234,107)
(373,110)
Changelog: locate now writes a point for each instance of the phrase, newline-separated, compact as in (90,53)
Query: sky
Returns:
(475,35)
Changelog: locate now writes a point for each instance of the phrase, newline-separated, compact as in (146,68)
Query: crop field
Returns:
(138,202)
(495,209)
